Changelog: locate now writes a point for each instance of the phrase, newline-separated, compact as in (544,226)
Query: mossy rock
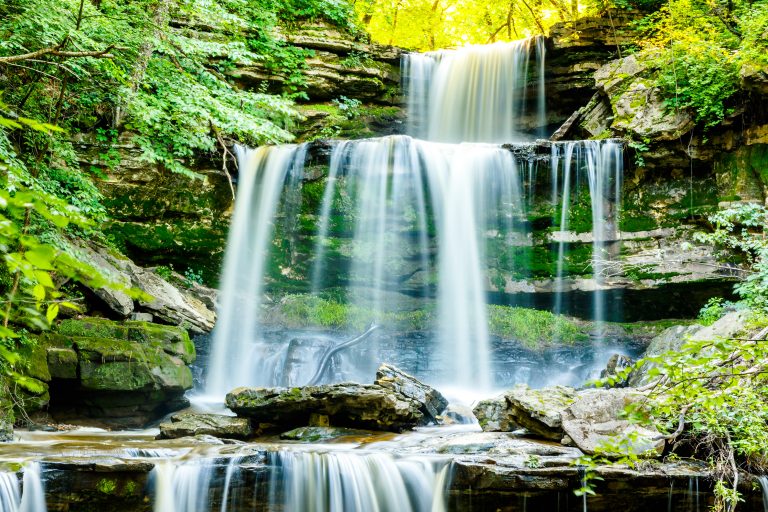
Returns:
(62,363)
(172,339)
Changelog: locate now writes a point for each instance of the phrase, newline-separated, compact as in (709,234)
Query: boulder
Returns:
(216,425)
(367,406)
(595,420)
(494,415)
(159,297)
(432,402)
(539,410)
(672,338)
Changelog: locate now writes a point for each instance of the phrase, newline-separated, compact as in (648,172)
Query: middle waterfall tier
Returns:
(398,226)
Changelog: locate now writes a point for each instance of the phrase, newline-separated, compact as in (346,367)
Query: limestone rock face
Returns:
(216,425)
(672,338)
(340,65)
(594,418)
(433,403)
(638,106)
(366,406)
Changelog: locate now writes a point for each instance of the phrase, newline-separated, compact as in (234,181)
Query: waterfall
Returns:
(764,486)
(239,357)
(341,481)
(33,489)
(302,481)
(590,170)
(9,491)
(437,225)
(476,93)
(182,487)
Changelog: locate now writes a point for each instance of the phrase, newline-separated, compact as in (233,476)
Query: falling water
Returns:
(403,220)
(182,487)
(598,165)
(239,355)
(33,490)
(764,486)
(341,481)
(476,93)
(401,186)
(306,481)
(9,491)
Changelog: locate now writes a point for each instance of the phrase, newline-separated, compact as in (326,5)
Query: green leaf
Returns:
(41,257)
(52,312)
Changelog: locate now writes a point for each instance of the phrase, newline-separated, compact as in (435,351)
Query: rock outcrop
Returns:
(432,402)
(121,374)
(191,308)
(595,420)
(395,402)
(366,406)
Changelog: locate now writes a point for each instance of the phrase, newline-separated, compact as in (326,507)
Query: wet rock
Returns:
(594,421)
(494,415)
(216,425)
(456,414)
(367,406)
(539,410)
(62,363)
(432,402)
(323,434)
(617,363)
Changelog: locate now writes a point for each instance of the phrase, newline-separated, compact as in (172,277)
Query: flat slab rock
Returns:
(367,406)
(216,425)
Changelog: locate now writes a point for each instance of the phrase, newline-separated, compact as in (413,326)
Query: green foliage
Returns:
(741,229)
(532,327)
(193,276)
(168,85)
(349,107)
(713,310)
(702,77)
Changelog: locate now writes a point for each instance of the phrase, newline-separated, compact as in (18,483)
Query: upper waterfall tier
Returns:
(487,93)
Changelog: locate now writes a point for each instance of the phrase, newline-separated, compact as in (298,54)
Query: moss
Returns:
(631,223)
(180,241)
(108,339)
(106,486)
(534,328)
(92,327)
(130,487)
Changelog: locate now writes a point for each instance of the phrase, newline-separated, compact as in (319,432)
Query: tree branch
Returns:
(54,51)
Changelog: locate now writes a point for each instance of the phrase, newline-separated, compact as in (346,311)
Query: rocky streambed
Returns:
(123,471)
